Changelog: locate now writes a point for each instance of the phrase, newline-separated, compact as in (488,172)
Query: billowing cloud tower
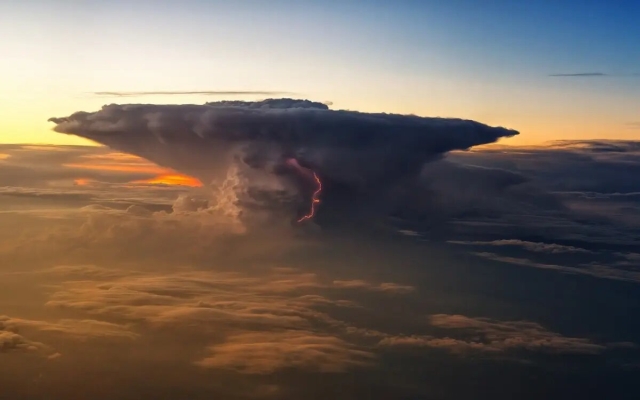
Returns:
(360,156)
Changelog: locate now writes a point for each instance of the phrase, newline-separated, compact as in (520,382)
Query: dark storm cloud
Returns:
(575,212)
(355,154)
(632,196)
(594,181)
(345,146)
(568,197)
(449,190)
(201,92)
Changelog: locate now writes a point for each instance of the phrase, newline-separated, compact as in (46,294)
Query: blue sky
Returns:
(486,60)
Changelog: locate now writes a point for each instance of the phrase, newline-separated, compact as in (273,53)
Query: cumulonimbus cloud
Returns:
(352,152)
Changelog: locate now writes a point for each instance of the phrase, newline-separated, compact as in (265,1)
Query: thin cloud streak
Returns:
(633,125)
(580,74)
(200,93)
(592,75)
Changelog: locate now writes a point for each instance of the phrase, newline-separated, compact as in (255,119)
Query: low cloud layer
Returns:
(260,353)
(111,277)
(487,335)
(115,265)
(530,246)
(576,193)
(79,328)
(269,321)
(12,337)
(12,341)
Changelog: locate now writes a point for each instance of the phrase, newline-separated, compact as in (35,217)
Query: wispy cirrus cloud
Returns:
(580,74)
(199,93)
(591,75)
(633,125)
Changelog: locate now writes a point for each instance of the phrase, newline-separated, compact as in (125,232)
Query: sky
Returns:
(490,62)
(253,200)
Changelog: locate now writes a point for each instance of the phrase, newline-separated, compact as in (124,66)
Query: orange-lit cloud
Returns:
(44,148)
(83,182)
(118,162)
(4,156)
(126,163)
(117,157)
(119,167)
(173,179)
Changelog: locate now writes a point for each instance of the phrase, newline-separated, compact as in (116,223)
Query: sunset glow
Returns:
(171,179)
(130,164)
(115,167)
(83,181)
(349,200)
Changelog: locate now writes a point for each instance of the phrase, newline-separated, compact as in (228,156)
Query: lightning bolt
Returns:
(314,199)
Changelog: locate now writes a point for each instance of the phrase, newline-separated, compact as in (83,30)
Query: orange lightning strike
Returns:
(314,199)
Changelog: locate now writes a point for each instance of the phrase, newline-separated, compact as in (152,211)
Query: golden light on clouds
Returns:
(83,181)
(118,167)
(126,163)
(117,162)
(172,179)
(46,147)
(123,157)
